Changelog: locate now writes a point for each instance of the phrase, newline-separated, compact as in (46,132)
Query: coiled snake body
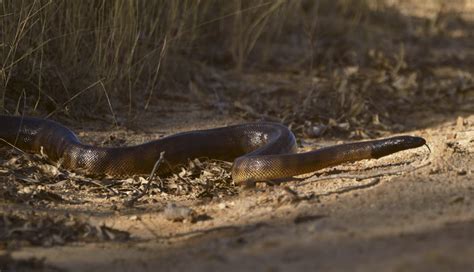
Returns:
(260,151)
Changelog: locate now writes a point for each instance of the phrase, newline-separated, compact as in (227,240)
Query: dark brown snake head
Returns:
(388,146)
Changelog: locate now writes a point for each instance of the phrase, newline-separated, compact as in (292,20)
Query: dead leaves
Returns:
(32,179)
(28,178)
(200,179)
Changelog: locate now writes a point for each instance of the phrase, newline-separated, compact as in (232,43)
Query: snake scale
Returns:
(260,151)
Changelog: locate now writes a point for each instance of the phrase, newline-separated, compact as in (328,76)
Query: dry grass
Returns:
(51,50)
(57,48)
(104,53)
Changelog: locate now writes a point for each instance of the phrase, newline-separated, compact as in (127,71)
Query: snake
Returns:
(260,151)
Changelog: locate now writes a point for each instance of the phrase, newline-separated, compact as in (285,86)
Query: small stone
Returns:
(344,126)
(26,190)
(434,170)
(315,131)
(176,213)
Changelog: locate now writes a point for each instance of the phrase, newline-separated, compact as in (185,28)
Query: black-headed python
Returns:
(260,151)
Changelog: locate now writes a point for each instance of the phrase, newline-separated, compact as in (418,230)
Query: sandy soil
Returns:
(410,211)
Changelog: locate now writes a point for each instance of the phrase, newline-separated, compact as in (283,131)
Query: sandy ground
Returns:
(410,211)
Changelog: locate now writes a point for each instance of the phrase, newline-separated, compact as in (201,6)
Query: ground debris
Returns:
(31,179)
(201,178)
(176,213)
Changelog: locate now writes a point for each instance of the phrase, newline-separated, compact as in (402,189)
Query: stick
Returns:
(129,203)
(367,176)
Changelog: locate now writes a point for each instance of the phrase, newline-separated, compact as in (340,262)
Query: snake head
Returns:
(391,145)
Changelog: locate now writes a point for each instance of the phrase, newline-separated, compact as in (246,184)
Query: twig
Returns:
(367,176)
(155,167)
(12,145)
(351,188)
(108,102)
(72,98)
(101,186)
(194,233)
(252,112)
(157,72)
(129,203)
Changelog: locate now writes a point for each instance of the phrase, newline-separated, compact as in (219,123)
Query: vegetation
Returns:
(64,56)
(53,50)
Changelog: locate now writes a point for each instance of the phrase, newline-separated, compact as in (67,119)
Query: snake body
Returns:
(260,151)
